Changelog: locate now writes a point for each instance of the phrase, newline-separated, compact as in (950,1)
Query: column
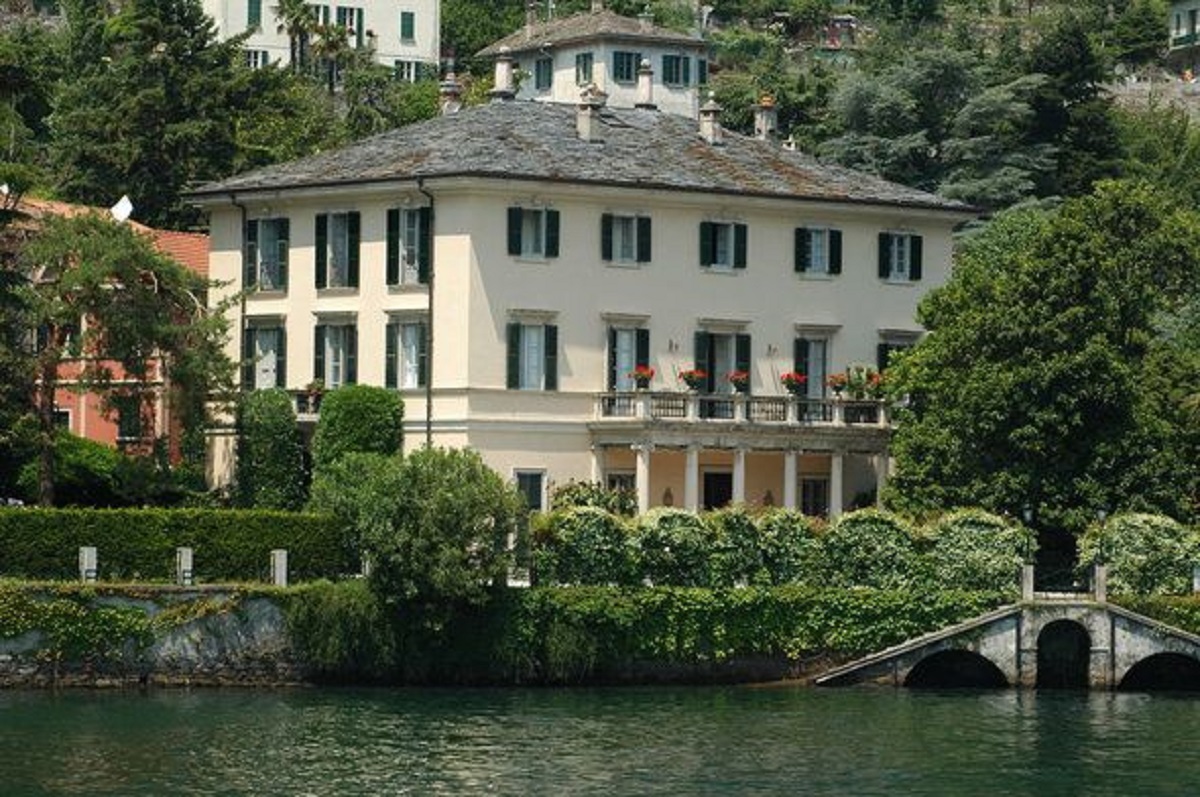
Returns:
(643,451)
(691,480)
(836,465)
(882,463)
(739,475)
(789,479)
(598,463)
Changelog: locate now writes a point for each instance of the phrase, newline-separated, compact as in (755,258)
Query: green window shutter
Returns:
(702,345)
(550,374)
(606,236)
(248,358)
(513,372)
(283,251)
(885,255)
(424,244)
(281,363)
(353,235)
(803,252)
(612,358)
(322,247)
(407,25)
(686,63)
(390,355)
(707,243)
(423,356)
(800,356)
(882,352)
(319,352)
(552,229)
(393,246)
(642,347)
(514,230)
(701,72)
(914,262)
(835,251)
(643,239)
(352,356)
(741,355)
(740,234)
(250,255)
(254,14)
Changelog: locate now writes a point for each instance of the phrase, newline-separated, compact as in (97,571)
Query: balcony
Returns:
(1185,40)
(759,411)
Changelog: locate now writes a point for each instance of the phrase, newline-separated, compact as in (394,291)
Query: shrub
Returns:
(672,547)
(584,545)
(976,550)
(1146,554)
(737,555)
(139,544)
(83,473)
(791,550)
(341,631)
(361,490)
(358,418)
(870,548)
(270,454)
(575,494)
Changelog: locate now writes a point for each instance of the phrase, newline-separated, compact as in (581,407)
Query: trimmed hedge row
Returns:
(139,544)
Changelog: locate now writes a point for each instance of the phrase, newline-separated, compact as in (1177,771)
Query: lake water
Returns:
(660,741)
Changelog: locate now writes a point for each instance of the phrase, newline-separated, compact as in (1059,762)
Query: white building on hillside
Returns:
(404,33)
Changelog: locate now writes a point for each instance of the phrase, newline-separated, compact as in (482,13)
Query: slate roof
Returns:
(528,140)
(588,26)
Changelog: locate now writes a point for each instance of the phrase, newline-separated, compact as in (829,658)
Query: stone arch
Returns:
(1163,672)
(1063,655)
(955,669)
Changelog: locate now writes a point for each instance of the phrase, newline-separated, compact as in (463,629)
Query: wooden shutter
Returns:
(882,352)
(703,349)
(741,355)
(393,247)
(282,250)
(424,244)
(391,358)
(322,247)
(643,239)
(281,357)
(552,222)
(514,230)
(708,243)
(353,235)
(885,255)
(687,70)
(642,347)
(914,258)
(319,352)
(352,355)
(803,250)
(835,251)
(248,358)
(423,355)
(513,375)
(550,373)
(612,358)
(250,254)
(606,236)
(740,234)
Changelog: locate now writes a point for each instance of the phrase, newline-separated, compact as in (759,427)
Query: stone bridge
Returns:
(1062,641)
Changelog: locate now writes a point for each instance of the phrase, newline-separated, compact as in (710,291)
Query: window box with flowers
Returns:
(837,383)
(694,378)
(641,376)
(740,380)
(794,382)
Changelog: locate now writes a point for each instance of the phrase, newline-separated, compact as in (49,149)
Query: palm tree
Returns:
(333,49)
(297,20)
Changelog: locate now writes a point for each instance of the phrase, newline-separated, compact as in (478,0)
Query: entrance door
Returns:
(718,489)
(1063,656)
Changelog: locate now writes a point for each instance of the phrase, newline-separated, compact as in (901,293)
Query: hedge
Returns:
(1146,554)
(139,544)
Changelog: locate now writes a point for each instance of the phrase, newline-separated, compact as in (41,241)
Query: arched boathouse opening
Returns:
(955,669)
(1063,655)
(1163,672)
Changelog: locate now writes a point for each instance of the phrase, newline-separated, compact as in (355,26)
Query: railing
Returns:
(305,402)
(739,408)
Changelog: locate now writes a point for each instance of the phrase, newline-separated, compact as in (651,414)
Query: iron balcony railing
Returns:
(740,408)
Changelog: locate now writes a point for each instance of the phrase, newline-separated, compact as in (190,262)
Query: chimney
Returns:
(645,86)
(646,20)
(587,118)
(450,93)
(710,121)
(531,17)
(503,89)
(765,118)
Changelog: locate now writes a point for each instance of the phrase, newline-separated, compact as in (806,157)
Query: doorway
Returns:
(1063,655)
(718,489)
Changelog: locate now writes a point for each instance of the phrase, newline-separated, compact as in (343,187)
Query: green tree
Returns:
(1039,381)
(1139,36)
(282,116)
(358,418)
(270,453)
(297,21)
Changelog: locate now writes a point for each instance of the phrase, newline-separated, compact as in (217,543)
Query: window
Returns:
(129,417)
(264,357)
(408,24)
(583,68)
(532,356)
(62,419)
(891,343)
(254,14)
(810,356)
(407,355)
(818,250)
(621,481)
(406,71)
(265,263)
(676,70)
(533,232)
(625,66)
(335,353)
(627,349)
(337,240)
(351,19)
(408,246)
(319,14)
(624,238)
(531,486)
(722,246)
(719,354)
(899,256)
(256,59)
(543,74)
(701,72)
(814,496)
